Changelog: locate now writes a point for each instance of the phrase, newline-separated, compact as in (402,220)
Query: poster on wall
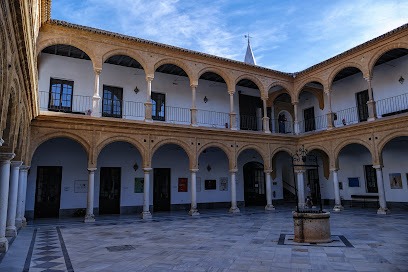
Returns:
(353,182)
(210,184)
(139,187)
(198,184)
(395,181)
(80,186)
(182,184)
(224,184)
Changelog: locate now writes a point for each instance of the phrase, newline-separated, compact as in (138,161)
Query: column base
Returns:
(234,210)
(19,223)
(89,218)
(234,128)
(148,120)
(24,222)
(194,125)
(11,231)
(338,208)
(371,119)
(269,207)
(383,211)
(146,215)
(3,245)
(193,212)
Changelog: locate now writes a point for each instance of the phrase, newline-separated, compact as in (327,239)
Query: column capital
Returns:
(231,92)
(378,166)
(233,170)
(24,168)
(16,163)
(334,169)
(149,77)
(297,171)
(97,71)
(6,156)
(268,171)
(92,169)
(147,170)
(368,78)
(294,103)
(1,141)
(194,85)
(327,91)
(194,170)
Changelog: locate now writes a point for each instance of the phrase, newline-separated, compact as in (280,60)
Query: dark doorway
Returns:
(161,189)
(109,193)
(371,179)
(309,117)
(48,191)
(312,183)
(362,99)
(254,184)
(248,106)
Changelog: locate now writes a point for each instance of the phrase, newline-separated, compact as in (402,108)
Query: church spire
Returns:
(249,56)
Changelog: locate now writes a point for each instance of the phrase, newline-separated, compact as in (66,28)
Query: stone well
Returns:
(312,227)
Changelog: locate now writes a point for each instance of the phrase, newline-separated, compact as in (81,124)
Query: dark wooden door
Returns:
(362,99)
(312,189)
(371,179)
(248,106)
(109,193)
(254,184)
(48,191)
(309,117)
(161,189)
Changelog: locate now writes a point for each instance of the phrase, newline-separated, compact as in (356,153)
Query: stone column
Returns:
(234,208)
(11,230)
(193,210)
(295,113)
(330,114)
(146,194)
(96,98)
(337,201)
(232,114)
(301,188)
(372,111)
(265,119)
(4,194)
(381,192)
(269,206)
(89,216)
(1,141)
(193,106)
(22,185)
(148,103)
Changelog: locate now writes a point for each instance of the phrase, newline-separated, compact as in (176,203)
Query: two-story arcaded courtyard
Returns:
(95,123)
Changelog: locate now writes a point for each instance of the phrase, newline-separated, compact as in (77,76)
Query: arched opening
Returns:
(212,101)
(65,79)
(282,178)
(389,82)
(171,92)
(58,179)
(311,107)
(119,179)
(123,88)
(213,182)
(319,176)
(281,112)
(350,91)
(395,173)
(171,173)
(251,172)
(250,105)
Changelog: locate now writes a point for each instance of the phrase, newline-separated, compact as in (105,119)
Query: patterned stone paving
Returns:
(216,241)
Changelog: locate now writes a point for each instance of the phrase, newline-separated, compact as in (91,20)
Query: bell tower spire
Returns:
(249,56)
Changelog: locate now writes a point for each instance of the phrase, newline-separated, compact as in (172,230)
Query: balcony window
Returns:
(112,101)
(158,106)
(60,98)
(362,99)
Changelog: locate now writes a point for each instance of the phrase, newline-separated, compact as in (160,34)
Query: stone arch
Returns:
(265,158)
(72,136)
(287,88)
(174,141)
(347,142)
(177,62)
(325,158)
(126,52)
(221,73)
(221,146)
(254,79)
(339,68)
(101,145)
(303,83)
(387,139)
(381,52)
(96,62)
(317,93)
(9,117)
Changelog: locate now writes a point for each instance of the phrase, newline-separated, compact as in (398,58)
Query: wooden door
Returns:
(48,191)
(161,189)
(109,193)
(309,117)
(254,184)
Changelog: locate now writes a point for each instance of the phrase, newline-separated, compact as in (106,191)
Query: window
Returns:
(362,99)
(158,106)
(60,95)
(112,101)
(371,179)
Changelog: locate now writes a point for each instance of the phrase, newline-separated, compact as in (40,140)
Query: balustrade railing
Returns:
(178,115)
(392,105)
(278,126)
(250,122)
(133,110)
(213,119)
(79,104)
(317,123)
(346,117)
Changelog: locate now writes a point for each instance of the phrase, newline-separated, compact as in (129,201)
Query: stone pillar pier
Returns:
(4,194)
(296,121)
(232,114)
(301,188)
(96,98)
(148,103)
(337,201)
(381,192)
(11,230)
(330,114)
(90,217)
(265,119)
(234,208)
(146,194)
(372,111)
(193,106)
(22,185)
(269,206)
(193,210)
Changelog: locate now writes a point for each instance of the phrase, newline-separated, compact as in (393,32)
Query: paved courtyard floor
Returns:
(216,241)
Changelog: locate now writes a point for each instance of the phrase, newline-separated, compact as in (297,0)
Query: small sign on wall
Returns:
(224,184)
(80,186)
(183,185)
(210,184)
(139,185)
(395,181)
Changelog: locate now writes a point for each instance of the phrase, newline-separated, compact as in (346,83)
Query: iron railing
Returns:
(213,118)
(277,126)
(392,105)
(317,123)
(178,115)
(79,104)
(346,117)
(133,109)
(250,122)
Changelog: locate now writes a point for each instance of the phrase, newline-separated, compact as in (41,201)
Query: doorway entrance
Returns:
(161,189)
(48,191)
(109,193)
(309,117)
(254,184)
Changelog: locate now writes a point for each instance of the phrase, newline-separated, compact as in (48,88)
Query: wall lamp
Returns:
(208,168)
(401,80)
(135,167)
(136,90)
(205,99)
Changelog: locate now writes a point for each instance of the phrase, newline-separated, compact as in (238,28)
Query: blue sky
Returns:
(288,35)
